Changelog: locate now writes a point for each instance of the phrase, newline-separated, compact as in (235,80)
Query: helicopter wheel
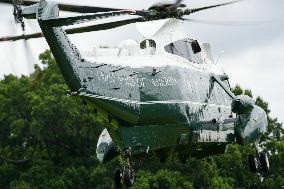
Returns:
(128,172)
(264,162)
(252,162)
(118,178)
(128,176)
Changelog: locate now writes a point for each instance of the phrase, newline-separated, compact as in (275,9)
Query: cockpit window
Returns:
(147,43)
(143,44)
(186,48)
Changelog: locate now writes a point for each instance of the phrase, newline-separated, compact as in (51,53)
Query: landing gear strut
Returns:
(260,160)
(118,178)
(126,174)
(252,161)
(264,161)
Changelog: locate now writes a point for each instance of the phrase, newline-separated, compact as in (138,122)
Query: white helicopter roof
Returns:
(163,31)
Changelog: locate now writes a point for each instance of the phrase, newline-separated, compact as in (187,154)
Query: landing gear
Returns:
(118,178)
(264,162)
(260,160)
(252,161)
(126,174)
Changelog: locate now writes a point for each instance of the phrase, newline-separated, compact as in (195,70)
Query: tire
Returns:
(128,176)
(118,178)
(264,162)
(252,162)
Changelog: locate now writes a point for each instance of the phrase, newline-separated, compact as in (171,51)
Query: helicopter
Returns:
(161,96)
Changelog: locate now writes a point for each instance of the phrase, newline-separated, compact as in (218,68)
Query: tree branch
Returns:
(13,161)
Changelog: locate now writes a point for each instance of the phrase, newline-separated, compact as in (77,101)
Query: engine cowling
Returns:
(251,120)
(242,104)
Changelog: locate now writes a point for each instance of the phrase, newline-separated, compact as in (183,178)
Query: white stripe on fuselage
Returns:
(154,102)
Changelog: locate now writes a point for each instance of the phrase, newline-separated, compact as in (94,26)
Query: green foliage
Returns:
(48,141)
(162,179)
(237,90)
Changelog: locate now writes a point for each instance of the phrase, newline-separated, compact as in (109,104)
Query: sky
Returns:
(252,54)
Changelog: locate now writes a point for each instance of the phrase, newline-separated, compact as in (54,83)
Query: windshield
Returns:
(186,48)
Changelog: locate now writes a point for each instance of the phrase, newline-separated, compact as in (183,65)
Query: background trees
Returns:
(48,140)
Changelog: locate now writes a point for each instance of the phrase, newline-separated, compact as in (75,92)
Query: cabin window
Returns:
(186,48)
(148,47)
(147,43)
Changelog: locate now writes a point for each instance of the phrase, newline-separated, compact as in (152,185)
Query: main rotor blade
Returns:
(190,11)
(105,26)
(226,23)
(91,28)
(67,7)
(25,2)
(177,3)
(56,22)
(19,37)
(84,9)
